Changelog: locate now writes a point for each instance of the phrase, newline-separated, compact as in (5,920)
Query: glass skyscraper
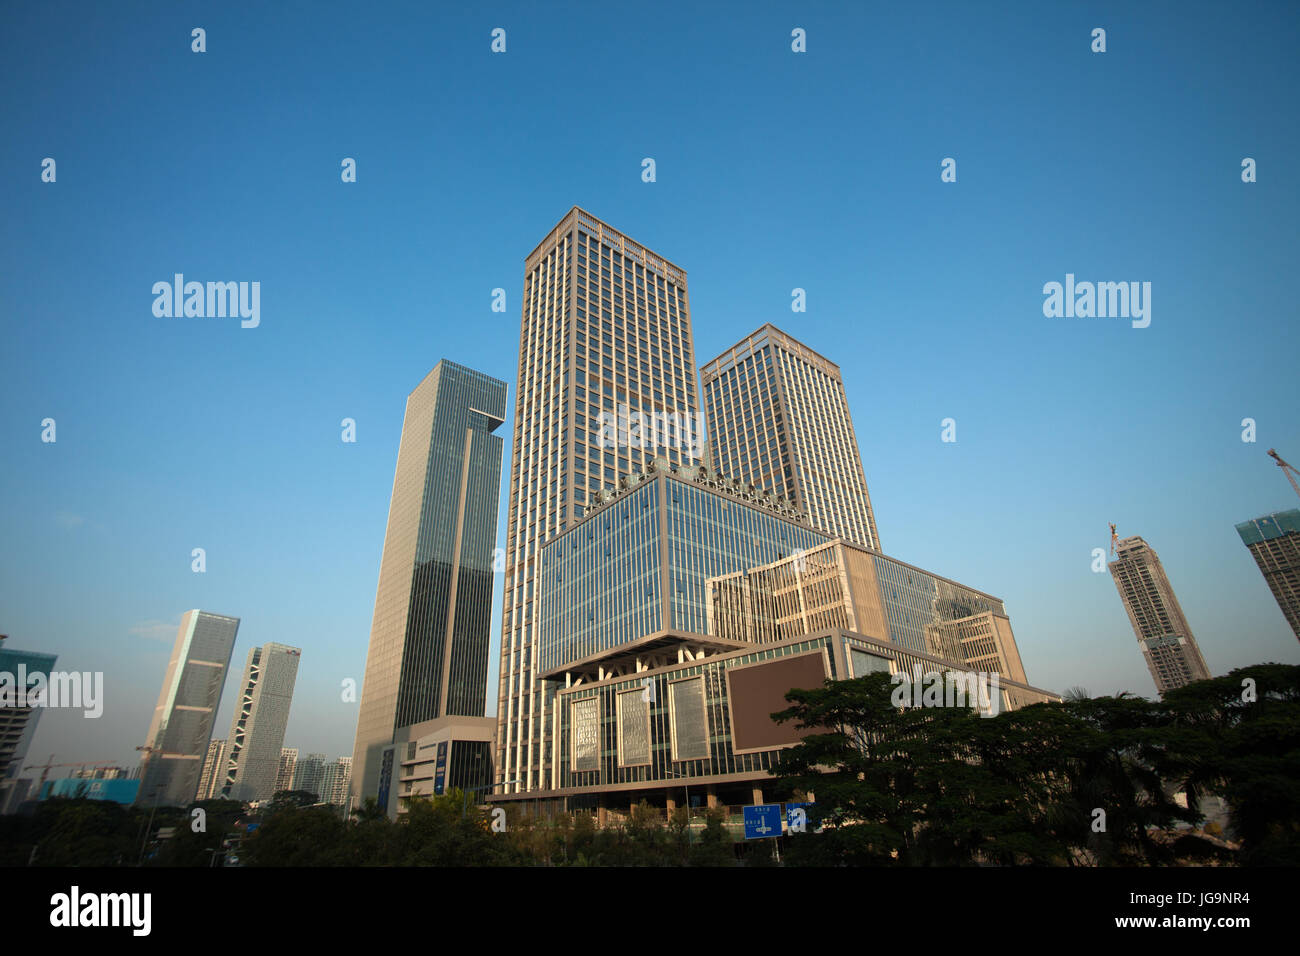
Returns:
(18,720)
(252,755)
(778,418)
(429,639)
(605,338)
(181,728)
(1163,633)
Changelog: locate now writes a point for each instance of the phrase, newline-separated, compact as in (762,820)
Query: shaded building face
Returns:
(429,640)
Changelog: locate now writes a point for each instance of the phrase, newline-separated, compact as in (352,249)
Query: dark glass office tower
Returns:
(429,638)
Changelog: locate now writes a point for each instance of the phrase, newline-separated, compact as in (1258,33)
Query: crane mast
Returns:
(1287,469)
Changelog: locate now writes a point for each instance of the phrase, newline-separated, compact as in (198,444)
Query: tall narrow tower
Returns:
(252,757)
(605,339)
(1171,652)
(779,419)
(429,639)
(187,705)
(1274,542)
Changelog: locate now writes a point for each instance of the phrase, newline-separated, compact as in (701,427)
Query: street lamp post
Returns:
(687,785)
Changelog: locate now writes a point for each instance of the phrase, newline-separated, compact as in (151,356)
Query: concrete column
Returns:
(758,794)
(712,792)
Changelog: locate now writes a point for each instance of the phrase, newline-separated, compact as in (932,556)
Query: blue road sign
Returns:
(790,808)
(762,820)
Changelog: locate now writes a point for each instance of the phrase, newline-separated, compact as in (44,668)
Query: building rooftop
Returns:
(1269,527)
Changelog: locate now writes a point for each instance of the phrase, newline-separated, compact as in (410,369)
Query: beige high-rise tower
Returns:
(1163,633)
(604,347)
(779,419)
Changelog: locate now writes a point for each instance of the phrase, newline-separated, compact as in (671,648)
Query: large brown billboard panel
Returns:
(757,691)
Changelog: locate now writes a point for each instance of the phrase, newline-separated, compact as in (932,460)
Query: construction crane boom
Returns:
(1287,469)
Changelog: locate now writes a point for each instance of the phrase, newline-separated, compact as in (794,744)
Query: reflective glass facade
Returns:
(916,601)
(642,564)
(429,640)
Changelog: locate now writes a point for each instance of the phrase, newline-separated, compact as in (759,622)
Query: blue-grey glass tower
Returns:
(20,670)
(429,639)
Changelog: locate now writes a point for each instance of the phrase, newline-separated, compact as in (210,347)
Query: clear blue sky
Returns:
(775,171)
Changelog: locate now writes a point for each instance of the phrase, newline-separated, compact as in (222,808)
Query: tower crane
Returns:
(1288,470)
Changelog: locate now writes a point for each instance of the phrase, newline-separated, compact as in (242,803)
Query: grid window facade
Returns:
(1171,652)
(778,418)
(605,332)
(642,564)
(1274,543)
(431,632)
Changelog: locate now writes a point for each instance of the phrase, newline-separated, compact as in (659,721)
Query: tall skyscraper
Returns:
(284,776)
(213,766)
(778,418)
(309,774)
(1163,633)
(335,778)
(605,338)
(20,671)
(257,730)
(187,704)
(431,632)
(1274,542)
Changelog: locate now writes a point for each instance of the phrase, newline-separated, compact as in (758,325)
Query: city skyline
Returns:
(929,301)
